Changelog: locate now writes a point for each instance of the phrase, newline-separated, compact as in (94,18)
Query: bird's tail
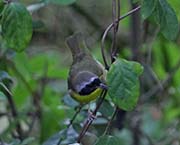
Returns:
(76,44)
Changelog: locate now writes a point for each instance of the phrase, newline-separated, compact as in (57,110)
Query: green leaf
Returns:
(123,83)
(61,2)
(107,140)
(1,5)
(148,6)
(16,26)
(166,17)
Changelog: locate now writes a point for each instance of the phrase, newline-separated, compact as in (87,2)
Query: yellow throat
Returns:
(86,98)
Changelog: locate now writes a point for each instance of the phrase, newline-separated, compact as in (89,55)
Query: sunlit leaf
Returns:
(16,26)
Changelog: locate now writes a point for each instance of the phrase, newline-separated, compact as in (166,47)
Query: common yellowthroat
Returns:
(86,76)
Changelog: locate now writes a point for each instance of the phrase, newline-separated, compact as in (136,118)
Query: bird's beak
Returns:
(103,86)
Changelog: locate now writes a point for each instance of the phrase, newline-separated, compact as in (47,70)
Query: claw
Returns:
(103,86)
(91,116)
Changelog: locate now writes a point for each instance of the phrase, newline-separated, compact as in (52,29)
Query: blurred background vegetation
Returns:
(39,75)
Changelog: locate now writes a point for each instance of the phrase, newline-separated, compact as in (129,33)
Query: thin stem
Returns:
(119,11)
(102,97)
(110,121)
(92,116)
(14,112)
(156,89)
(116,15)
(103,47)
(75,115)
(31,124)
(115,28)
(3,114)
(109,28)
(129,13)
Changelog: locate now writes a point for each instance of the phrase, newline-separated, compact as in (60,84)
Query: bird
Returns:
(87,76)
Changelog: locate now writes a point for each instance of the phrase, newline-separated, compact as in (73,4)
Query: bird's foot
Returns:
(91,116)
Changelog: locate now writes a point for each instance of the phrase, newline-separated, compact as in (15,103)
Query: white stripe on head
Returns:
(83,84)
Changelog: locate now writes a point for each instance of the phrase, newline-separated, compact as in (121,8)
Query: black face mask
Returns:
(89,88)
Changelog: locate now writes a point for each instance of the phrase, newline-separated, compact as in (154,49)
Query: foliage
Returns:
(16,26)
(35,107)
(123,83)
(164,15)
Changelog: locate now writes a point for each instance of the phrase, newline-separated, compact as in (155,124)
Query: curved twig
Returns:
(109,28)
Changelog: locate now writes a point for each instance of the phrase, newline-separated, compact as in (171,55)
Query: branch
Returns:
(109,28)
(74,116)
(92,116)
(115,15)
(110,121)
(157,88)
(97,26)
(37,95)
(135,37)
(3,114)
(13,109)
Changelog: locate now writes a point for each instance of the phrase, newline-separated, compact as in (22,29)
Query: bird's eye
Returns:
(96,81)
